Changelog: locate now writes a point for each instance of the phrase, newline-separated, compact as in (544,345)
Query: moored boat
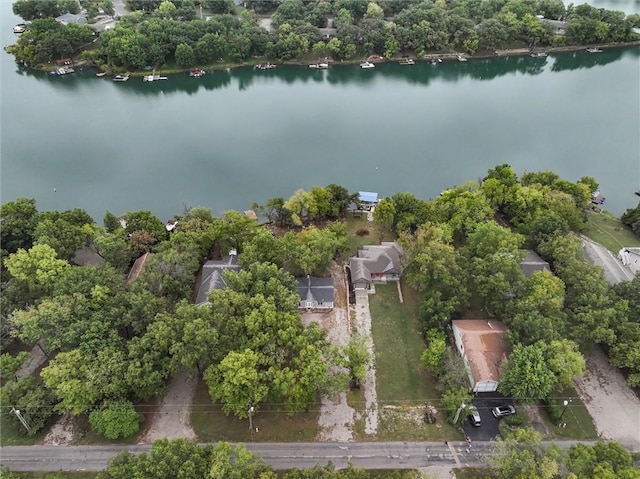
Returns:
(197,72)
(407,61)
(313,65)
(20,28)
(265,66)
(594,50)
(461,58)
(323,66)
(538,54)
(124,77)
(366,65)
(101,74)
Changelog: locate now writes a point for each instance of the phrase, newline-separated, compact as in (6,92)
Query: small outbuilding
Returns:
(532,263)
(367,200)
(482,347)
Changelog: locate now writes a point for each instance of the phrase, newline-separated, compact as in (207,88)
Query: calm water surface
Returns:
(231,138)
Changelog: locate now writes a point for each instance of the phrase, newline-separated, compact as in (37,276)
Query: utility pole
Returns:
(250,418)
(565,403)
(19,416)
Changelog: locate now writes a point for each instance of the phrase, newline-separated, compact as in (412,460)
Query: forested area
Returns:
(111,343)
(465,248)
(160,32)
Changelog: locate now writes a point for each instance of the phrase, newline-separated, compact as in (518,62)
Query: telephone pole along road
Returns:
(281,456)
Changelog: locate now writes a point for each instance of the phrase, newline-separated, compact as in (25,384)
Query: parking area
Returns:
(488,430)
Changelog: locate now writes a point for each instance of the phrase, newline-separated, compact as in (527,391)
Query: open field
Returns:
(607,230)
(404,387)
(211,424)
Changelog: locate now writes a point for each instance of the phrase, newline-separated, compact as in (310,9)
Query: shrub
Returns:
(362,232)
(115,419)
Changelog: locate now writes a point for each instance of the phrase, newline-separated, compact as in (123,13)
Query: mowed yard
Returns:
(403,385)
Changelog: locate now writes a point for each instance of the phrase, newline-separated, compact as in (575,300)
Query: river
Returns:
(231,138)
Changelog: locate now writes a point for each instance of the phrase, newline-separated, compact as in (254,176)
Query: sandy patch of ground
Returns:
(173,418)
(533,414)
(363,329)
(62,432)
(438,472)
(336,416)
(614,407)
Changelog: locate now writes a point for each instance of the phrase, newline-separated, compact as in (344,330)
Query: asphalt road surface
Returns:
(372,455)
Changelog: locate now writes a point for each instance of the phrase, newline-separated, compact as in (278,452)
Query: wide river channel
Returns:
(234,137)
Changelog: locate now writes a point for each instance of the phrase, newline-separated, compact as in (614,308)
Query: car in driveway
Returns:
(502,411)
(474,416)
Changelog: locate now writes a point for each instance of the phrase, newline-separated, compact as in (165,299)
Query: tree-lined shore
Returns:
(174,34)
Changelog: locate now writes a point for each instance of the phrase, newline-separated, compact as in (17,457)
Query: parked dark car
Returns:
(502,411)
(474,416)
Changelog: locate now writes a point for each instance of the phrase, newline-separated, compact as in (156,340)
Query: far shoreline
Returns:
(443,56)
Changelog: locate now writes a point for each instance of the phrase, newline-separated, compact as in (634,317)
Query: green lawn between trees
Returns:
(606,229)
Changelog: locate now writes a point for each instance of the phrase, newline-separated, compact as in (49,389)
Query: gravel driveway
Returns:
(614,407)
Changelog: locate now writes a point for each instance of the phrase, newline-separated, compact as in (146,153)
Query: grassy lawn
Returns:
(354,241)
(403,386)
(579,424)
(11,435)
(607,230)
(211,424)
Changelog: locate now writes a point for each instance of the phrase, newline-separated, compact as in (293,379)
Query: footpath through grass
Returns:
(606,229)
(403,386)
(211,424)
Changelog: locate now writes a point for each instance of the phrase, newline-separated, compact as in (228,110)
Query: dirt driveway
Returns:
(614,407)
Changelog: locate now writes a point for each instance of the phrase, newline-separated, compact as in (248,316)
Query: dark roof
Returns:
(532,263)
(212,275)
(136,269)
(313,288)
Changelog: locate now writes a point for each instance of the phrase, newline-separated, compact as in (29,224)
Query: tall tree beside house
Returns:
(432,266)
(526,375)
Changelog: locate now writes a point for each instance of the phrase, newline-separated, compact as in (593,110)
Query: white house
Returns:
(482,347)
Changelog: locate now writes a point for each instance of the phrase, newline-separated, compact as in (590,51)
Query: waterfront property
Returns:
(211,277)
(375,263)
(482,347)
(367,200)
(316,293)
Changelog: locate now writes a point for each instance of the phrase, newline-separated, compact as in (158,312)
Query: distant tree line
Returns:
(157,32)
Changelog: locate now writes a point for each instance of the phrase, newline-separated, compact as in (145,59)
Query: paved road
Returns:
(613,269)
(372,455)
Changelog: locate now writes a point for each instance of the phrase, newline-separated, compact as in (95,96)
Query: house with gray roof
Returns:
(212,278)
(69,18)
(532,263)
(376,263)
(315,293)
